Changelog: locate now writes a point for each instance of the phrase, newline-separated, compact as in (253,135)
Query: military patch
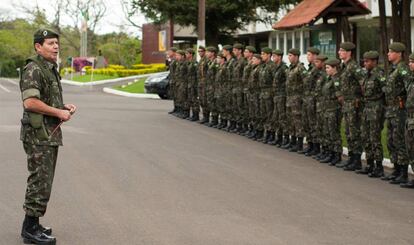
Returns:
(382,79)
(336,84)
(404,72)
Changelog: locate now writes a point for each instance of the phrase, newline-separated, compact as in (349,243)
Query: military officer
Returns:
(211,53)
(396,113)
(192,86)
(254,92)
(248,55)
(181,85)
(221,89)
(44,110)
(228,122)
(373,115)
(172,64)
(201,79)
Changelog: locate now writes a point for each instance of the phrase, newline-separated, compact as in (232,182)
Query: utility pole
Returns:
(84,33)
(201,24)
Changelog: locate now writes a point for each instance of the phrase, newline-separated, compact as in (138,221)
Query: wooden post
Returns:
(383,33)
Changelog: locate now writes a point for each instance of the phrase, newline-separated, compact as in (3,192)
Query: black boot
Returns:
(328,158)
(299,146)
(308,148)
(356,164)
(236,128)
(195,117)
(285,142)
(293,145)
(205,119)
(279,140)
(321,154)
(259,135)
(394,174)
(252,134)
(368,169)
(337,156)
(409,184)
(315,151)
(222,124)
(273,139)
(350,160)
(248,131)
(232,126)
(214,122)
(34,233)
(378,171)
(269,137)
(402,178)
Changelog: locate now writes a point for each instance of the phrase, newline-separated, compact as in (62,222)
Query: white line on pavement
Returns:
(11,81)
(4,88)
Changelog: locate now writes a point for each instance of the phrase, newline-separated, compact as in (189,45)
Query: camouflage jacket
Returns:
(41,80)
(202,70)
(329,92)
(192,74)
(409,86)
(211,74)
(172,68)
(372,85)
(394,88)
(253,82)
(238,70)
(309,83)
(266,75)
(230,67)
(351,76)
(279,79)
(246,74)
(294,81)
(180,76)
(221,81)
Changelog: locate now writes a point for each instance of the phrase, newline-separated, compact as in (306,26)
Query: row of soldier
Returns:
(261,97)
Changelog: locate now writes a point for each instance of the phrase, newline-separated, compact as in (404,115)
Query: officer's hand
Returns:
(64,115)
(341,100)
(71,108)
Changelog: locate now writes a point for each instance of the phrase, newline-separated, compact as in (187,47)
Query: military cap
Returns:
(267,50)
(278,52)
(228,47)
(411,56)
(257,56)
(333,62)
(190,51)
(397,47)
(322,57)
(221,55)
(372,55)
(211,49)
(347,46)
(202,47)
(314,50)
(238,46)
(43,34)
(181,52)
(174,49)
(294,51)
(251,49)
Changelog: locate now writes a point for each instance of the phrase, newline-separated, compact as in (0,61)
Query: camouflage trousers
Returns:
(332,130)
(202,98)
(294,116)
(171,93)
(395,136)
(279,114)
(41,163)
(192,99)
(227,105)
(238,101)
(309,118)
(352,114)
(254,109)
(181,96)
(409,138)
(372,125)
(319,132)
(266,110)
(211,101)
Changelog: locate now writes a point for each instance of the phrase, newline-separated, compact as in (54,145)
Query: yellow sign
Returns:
(162,40)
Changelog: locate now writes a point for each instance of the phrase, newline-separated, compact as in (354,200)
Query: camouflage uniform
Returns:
(352,108)
(40,80)
(254,102)
(409,130)
(211,87)
(294,89)
(202,93)
(266,95)
(373,114)
(244,111)
(320,108)
(279,99)
(229,113)
(192,89)
(221,91)
(237,78)
(181,87)
(171,90)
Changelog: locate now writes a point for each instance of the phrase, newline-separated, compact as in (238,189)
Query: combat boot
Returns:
(337,156)
(34,233)
(378,171)
(299,146)
(356,164)
(243,128)
(270,138)
(236,128)
(394,174)
(273,139)
(196,117)
(259,135)
(252,134)
(409,184)
(403,177)
(279,140)
(347,162)
(248,131)
(329,157)
(368,169)
(285,142)
(232,126)
(308,148)
(321,154)
(293,144)
(315,150)
(222,124)
(214,122)
(205,119)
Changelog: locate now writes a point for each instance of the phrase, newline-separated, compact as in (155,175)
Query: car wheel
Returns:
(163,96)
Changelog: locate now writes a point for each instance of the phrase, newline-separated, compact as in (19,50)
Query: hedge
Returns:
(121,71)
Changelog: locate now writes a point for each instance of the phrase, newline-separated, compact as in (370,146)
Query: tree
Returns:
(401,22)
(223,17)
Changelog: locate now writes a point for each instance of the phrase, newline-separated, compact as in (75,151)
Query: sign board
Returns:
(325,41)
(162,41)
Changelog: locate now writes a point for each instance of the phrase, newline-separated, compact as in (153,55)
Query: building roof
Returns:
(309,11)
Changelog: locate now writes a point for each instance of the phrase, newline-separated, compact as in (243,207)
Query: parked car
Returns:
(158,84)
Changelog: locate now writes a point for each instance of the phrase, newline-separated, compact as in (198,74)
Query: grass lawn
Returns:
(137,87)
(87,78)
(383,139)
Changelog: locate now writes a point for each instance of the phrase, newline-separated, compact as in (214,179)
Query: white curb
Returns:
(120,79)
(132,95)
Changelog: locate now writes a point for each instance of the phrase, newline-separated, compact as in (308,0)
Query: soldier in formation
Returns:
(258,96)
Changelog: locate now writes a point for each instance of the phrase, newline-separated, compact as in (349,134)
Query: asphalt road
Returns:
(131,174)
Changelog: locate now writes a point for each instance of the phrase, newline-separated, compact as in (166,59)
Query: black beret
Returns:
(202,47)
(211,49)
(373,55)
(251,49)
(333,62)
(228,47)
(314,50)
(267,50)
(181,52)
(322,57)
(43,34)
(397,47)
(238,46)
(190,51)
(411,56)
(347,46)
(258,56)
(174,49)
(278,52)
(294,51)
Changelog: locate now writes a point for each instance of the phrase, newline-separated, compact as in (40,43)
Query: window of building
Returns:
(297,39)
(289,41)
(306,41)
(281,41)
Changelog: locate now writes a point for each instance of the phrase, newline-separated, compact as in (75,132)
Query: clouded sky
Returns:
(113,21)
